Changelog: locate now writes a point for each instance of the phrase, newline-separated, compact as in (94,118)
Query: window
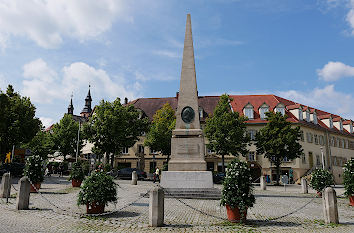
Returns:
(300,114)
(302,135)
(251,156)
(315,118)
(248,111)
(339,142)
(125,150)
(330,123)
(141,149)
(280,108)
(309,137)
(303,158)
(308,116)
(285,159)
(318,160)
(341,125)
(316,139)
(332,141)
(346,144)
(351,128)
(201,112)
(262,111)
(321,140)
(343,143)
(252,134)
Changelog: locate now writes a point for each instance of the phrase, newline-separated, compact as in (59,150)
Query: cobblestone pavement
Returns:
(276,210)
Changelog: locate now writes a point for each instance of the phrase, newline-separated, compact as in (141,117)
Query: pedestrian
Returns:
(61,170)
(157,174)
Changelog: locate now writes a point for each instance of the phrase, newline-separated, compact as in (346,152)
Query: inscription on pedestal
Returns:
(188,149)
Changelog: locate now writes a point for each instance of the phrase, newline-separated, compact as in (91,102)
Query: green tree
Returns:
(226,131)
(18,124)
(64,136)
(41,144)
(278,140)
(159,135)
(114,126)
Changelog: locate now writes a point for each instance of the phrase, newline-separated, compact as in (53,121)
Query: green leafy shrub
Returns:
(34,169)
(321,179)
(237,186)
(107,167)
(77,172)
(348,178)
(98,188)
(85,167)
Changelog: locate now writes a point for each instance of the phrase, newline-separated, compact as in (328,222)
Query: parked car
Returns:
(218,178)
(126,173)
(16,169)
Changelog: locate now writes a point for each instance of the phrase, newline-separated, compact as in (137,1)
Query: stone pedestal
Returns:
(156,207)
(5,189)
(134,178)
(304,187)
(263,183)
(23,196)
(330,208)
(187,179)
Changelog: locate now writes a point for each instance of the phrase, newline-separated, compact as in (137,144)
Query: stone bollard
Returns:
(263,183)
(330,208)
(23,195)
(5,186)
(156,207)
(304,186)
(134,178)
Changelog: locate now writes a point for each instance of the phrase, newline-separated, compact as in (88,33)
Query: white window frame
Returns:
(263,110)
(125,150)
(248,111)
(315,121)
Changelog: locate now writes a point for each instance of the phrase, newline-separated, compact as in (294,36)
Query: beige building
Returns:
(326,138)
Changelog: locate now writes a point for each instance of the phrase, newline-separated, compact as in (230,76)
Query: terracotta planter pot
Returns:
(351,200)
(319,194)
(94,209)
(233,215)
(76,183)
(37,185)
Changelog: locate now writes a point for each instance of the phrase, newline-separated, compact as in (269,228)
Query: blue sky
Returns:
(298,49)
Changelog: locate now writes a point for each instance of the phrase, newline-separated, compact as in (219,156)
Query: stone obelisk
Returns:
(187,166)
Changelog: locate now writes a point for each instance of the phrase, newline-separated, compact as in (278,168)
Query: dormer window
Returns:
(248,111)
(331,123)
(262,111)
(307,115)
(351,128)
(315,118)
(300,114)
(280,108)
(341,125)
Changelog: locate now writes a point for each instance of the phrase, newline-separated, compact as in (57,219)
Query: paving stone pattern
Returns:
(275,210)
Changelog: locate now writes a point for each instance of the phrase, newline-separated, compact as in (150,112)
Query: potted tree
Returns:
(97,190)
(321,179)
(34,171)
(348,180)
(237,193)
(76,174)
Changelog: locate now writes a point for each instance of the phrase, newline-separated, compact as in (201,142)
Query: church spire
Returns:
(87,109)
(71,106)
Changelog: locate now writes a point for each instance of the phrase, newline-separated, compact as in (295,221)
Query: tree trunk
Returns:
(168,157)
(278,172)
(223,163)
(112,160)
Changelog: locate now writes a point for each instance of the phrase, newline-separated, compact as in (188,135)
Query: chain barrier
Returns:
(88,215)
(14,187)
(193,208)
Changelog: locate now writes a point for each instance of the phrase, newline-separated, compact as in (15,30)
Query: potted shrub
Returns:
(76,174)
(97,190)
(237,193)
(348,180)
(321,179)
(34,171)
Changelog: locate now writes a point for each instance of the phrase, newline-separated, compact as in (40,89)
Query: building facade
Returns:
(327,139)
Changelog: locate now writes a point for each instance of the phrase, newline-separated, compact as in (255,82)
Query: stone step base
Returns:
(201,193)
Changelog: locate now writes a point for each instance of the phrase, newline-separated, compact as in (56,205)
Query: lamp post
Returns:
(323,164)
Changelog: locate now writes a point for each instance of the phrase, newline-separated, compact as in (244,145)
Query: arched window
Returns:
(315,118)
(262,110)
(248,111)
(280,108)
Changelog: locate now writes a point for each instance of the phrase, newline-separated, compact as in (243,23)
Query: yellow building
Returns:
(326,138)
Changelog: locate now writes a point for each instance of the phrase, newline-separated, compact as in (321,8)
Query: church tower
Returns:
(71,107)
(87,109)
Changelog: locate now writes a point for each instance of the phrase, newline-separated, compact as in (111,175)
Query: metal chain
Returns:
(14,187)
(193,208)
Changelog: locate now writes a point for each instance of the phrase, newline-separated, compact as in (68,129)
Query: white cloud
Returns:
(48,22)
(46,121)
(326,99)
(333,71)
(350,16)
(43,85)
(168,53)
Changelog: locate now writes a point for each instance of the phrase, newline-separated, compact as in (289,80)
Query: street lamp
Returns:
(78,138)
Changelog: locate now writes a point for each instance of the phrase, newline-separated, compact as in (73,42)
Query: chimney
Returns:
(125,100)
